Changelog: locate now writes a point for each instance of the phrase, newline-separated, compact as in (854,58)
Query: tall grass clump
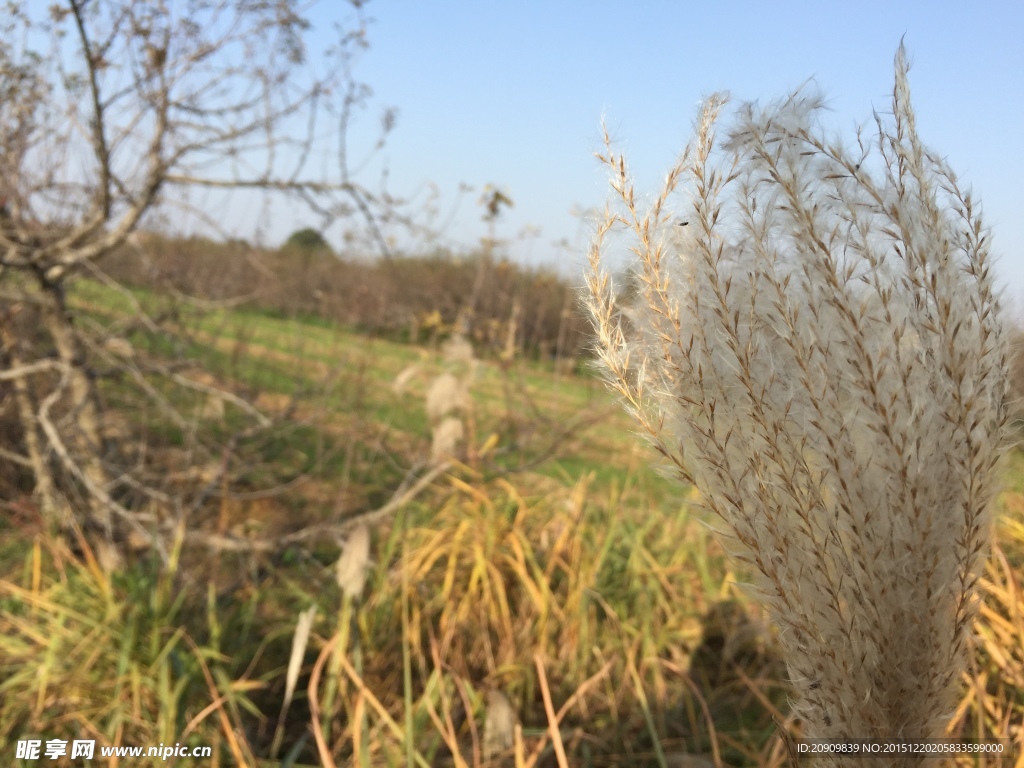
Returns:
(85,654)
(816,344)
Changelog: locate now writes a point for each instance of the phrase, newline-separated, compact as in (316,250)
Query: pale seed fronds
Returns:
(354,563)
(447,436)
(446,395)
(510,347)
(457,350)
(108,556)
(817,344)
(499,724)
(119,347)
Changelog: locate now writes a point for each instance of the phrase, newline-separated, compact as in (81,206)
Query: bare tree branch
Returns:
(408,491)
(133,103)
(30,369)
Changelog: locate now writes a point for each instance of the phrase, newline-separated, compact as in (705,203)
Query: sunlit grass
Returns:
(582,590)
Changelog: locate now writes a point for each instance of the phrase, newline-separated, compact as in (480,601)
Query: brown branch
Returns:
(258,183)
(16,458)
(99,132)
(401,497)
(22,371)
(133,519)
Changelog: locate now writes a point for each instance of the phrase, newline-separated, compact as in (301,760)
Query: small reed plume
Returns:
(499,724)
(449,405)
(354,563)
(815,342)
(458,351)
(446,395)
(446,438)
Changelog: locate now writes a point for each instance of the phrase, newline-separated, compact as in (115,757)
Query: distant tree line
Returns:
(504,307)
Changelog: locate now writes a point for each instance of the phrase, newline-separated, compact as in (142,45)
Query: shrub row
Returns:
(503,306)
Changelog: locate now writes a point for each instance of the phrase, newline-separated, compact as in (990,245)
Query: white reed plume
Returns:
(816,344)
(499,724)
(458,350)
(446,395)
(354,563)
(446,438)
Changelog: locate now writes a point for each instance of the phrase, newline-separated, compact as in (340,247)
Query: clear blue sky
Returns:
(513,93)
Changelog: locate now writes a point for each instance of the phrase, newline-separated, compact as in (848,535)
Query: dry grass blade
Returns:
(363,693)
(242,756)
(314,705)
(445,727)
(553,722)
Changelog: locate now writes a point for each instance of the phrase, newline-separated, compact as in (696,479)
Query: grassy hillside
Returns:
(549,568)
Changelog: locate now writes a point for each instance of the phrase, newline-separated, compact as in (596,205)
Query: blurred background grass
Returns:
(550,567)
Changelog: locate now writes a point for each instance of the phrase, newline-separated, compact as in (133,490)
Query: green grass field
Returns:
(551,564)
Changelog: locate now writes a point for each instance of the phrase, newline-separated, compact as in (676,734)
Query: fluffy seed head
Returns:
(820,351)
(499,724)
(457,350)
(447,436)
(445,396)
(354,563)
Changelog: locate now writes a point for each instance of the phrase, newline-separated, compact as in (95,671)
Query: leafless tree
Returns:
(108,109)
